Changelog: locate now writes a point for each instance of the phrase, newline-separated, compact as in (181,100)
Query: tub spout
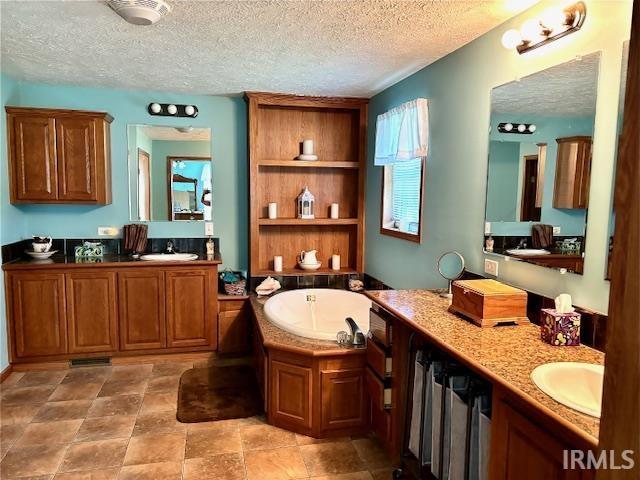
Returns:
(356,334)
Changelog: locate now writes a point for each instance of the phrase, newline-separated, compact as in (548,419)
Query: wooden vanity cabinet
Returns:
(59,156)
(573,172)
(233,326)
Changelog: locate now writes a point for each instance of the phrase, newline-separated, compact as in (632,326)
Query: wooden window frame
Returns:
(417,237)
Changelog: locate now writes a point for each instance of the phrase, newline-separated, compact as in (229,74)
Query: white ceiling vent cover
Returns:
(140,12)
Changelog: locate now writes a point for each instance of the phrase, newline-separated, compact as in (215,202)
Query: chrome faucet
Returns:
(357,337)
(170,247)
(522,244)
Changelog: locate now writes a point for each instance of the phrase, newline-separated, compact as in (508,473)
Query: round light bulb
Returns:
(172,109)
(189,110)
(508,127)
(155,107)
(522,127)
(511,38)
(553,19)
(531,30)
(532,128)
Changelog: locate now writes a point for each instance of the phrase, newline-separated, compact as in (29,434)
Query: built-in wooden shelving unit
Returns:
(277,125)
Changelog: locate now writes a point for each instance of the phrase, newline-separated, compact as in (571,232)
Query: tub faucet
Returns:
(357,337)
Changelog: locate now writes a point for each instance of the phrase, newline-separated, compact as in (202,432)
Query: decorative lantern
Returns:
(306,203)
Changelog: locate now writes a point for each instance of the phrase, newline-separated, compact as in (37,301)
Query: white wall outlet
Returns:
(208,228)
(556,230)
(108,231)
(487,228)
(491,267)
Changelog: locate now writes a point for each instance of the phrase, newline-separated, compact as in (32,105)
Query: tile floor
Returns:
(103,423)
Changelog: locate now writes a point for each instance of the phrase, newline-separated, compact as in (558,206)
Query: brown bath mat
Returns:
(218,393)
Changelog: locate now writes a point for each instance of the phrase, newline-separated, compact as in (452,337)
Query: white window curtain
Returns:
(402,133)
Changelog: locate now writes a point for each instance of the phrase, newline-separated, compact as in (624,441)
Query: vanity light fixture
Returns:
(172,110)
(520,128)
(556,22)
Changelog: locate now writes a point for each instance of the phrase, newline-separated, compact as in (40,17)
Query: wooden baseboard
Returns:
(5,373)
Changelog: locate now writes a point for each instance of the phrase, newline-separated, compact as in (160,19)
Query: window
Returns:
(402,199)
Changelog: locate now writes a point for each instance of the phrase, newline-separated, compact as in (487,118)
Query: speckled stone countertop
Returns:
(275,337)
(504,355)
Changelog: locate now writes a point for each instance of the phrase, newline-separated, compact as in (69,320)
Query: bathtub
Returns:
(296,312)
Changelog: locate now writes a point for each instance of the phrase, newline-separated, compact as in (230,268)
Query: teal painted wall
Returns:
(458,88)
(502,181)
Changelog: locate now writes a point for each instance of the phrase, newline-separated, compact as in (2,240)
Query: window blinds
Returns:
(405,195)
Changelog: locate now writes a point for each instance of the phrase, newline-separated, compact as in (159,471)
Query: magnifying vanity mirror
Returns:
(170,173)
(539,170)
(451,267)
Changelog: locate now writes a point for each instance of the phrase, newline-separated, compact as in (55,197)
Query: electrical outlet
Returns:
(491,267)
(108,231)
(556,230)
(487,228)
(208,229)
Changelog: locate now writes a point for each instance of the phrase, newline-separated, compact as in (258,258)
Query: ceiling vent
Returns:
(140,12)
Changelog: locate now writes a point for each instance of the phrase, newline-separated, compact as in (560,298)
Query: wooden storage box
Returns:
(489,303)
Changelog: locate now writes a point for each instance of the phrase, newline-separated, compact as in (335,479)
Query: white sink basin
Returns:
(575,385)
(169,257)
(527,252)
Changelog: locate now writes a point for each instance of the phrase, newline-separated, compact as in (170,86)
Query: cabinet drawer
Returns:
(379,326)
(380,423)
(377,359)
(379,394)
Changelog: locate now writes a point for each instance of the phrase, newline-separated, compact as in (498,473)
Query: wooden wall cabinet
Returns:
(573,173)
(59,156)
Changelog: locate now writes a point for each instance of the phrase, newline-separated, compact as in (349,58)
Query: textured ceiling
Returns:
(171,133)
(568,89)
(332,47)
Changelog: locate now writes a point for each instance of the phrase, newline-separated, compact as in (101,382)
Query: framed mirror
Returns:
(539,169)
(170,173)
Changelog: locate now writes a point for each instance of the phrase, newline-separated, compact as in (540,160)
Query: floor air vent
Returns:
(90,362)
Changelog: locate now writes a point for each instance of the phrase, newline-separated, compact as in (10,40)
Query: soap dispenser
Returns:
(211,247)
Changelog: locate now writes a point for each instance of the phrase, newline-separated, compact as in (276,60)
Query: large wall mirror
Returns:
(170,173)
(540,163)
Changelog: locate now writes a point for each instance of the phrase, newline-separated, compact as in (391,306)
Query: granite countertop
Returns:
(273,336)
(59,260)
(504,355)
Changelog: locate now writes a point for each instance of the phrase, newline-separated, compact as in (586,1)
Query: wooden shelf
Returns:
(287,272)
(314,221)
(307,164)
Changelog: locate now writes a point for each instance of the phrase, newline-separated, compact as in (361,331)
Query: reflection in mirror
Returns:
(539,165)
(170,173)
(623,88)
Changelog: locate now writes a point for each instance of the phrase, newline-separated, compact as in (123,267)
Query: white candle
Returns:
(334,210)
(307,147)
(273,210)
(335,262)
(277,263)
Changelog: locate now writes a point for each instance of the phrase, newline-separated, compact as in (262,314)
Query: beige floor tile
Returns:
(372,453)
(103,428)
(87,375)
(105,474)
(168,447)
(276,464)
(304,440)
(12,379)
(9,435)
(159,402)
(133,386)
(346,476)
(94,455)
(163,384)
(382,474)
(13,414)
(49,433)
(34,379)
(168,369)
(32,461)
(158,422)
(27,395)
(75,391)
(227,466)
(257,437)
(131,372)
(331,458)
(116,405)
(152,471)
(212,440)
(68,410)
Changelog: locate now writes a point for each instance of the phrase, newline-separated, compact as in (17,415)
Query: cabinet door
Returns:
(38,313)
(290,393)
(33,159)
(233,330)
(191,307)
(76,153)
(91,312)
(343,402)
(573,173)
(141,309)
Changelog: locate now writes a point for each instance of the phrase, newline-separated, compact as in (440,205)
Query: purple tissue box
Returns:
(560,329)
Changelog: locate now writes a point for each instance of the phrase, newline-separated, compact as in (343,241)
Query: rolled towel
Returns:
(268,286)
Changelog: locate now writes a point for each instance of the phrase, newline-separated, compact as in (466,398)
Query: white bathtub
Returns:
(296,312)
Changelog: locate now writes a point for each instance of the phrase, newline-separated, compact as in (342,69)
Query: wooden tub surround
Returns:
(529,429)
